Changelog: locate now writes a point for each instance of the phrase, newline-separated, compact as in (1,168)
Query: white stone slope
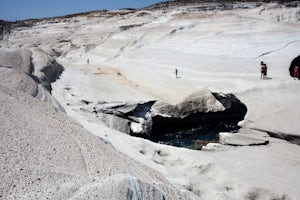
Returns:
(45,155)
(214,49)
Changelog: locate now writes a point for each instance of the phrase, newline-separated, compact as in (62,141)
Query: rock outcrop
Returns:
(45,67)
(151,119)
(16,59)
(127,117)
(239,139)
(201,108)
(36,63)
(205,5)
(45,155)
(31,73)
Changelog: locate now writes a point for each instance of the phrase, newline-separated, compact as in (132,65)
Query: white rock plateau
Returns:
(130,55)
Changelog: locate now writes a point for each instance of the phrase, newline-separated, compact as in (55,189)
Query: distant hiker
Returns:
(88,61)
(176,72)
(296,72)
(263,70)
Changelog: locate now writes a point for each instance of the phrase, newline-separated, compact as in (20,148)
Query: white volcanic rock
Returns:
(215,49)
(144,119)
(203,101)
(45,155)
(16,58)
(199,102)
(17,72)
(240,140)
(21,82)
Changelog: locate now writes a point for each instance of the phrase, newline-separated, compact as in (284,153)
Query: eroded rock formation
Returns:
(45,155)
(200,108)
(154,118)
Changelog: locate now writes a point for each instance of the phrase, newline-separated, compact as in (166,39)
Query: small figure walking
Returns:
(88,61)
(263,70)
(296,73)
(176,72)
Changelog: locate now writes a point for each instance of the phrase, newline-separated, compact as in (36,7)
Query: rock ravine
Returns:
(153,119)
(182,73)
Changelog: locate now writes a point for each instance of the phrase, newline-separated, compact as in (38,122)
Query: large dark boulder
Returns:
(295,62)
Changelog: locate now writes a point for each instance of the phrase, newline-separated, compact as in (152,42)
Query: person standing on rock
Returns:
(176,72)
(263,70)
(296,73)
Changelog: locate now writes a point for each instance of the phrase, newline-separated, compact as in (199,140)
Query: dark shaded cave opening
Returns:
(199,117)
(197,127)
